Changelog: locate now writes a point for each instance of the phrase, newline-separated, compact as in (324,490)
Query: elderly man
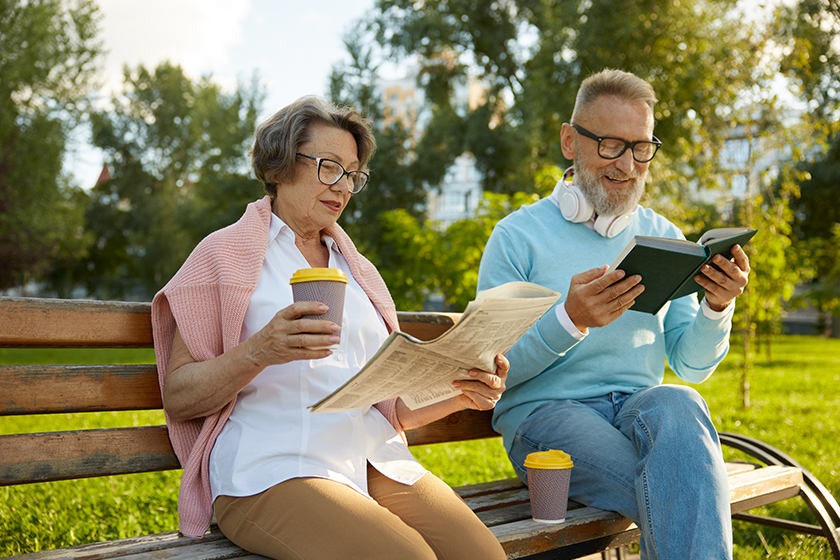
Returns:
(587,378)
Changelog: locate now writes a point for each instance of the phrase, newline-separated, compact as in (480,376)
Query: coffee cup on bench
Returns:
(549,473)
(325,285)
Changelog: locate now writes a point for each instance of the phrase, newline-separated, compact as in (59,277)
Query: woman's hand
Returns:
(481,392)
(287,337)
(193,389)
(485,389)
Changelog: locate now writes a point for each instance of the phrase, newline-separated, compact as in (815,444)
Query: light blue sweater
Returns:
(536,244)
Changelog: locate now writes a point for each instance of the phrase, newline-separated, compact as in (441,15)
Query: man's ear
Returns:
(567,141)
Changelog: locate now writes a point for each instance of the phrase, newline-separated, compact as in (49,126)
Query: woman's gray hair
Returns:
(618,83)
(278,138)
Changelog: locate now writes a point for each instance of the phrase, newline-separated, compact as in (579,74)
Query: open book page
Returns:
(422,372)
(721,233)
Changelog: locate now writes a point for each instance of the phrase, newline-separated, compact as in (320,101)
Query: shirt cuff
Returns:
(563,318)
(716,315)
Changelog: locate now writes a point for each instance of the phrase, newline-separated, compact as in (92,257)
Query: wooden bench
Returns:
(502,504)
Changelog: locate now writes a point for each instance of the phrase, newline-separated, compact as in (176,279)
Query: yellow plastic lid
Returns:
(551,459)
(315,274)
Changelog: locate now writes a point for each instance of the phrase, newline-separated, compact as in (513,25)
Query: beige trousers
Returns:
(318,519)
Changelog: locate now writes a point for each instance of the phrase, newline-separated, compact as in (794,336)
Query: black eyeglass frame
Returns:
(631,145)
(319,161)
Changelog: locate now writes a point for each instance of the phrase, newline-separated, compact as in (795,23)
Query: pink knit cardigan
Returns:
(207,299)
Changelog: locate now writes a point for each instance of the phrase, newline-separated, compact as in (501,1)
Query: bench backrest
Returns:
(61,388)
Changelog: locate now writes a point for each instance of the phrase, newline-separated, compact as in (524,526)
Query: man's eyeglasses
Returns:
(613,148)
(330,172)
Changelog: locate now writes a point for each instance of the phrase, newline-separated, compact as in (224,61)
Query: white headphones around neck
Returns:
(576,209)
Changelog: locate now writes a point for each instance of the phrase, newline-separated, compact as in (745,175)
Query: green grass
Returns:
(794,399)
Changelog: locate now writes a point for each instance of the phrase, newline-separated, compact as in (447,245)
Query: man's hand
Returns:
(724,285)
(597,297)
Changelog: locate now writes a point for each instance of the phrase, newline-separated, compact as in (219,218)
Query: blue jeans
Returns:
(653,456)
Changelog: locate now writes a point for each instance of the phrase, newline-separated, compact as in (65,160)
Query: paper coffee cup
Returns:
(326,285)
(549,473)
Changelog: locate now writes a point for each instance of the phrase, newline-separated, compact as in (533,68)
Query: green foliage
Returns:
(807,31)
(48,63)
(177,149)
(696,53)
(428,260)
(398,177)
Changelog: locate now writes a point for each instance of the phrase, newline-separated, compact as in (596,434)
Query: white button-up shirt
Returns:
(270,436)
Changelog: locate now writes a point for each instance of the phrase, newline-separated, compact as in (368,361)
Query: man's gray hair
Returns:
(278,138)
(618,83)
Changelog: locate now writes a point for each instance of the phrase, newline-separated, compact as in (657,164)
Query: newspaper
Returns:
(422,372)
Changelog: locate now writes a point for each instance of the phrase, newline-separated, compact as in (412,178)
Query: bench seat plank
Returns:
(763,486)
(521,538)
(146,544)
(219,550)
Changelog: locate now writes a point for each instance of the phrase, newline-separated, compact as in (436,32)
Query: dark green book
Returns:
(668,266)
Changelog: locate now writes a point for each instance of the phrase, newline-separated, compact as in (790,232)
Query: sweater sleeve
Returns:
(695,344)
(547,340)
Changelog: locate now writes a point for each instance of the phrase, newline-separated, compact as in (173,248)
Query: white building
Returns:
(459,193)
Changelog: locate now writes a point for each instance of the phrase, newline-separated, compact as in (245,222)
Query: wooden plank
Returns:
(55,323)
(521,538)
(60,323)
(45,457)
(733,467)
(219,550)
(47,389)
(426,325)
(482,488)
(762,486)
(156,543)
(460,426)
(499,499)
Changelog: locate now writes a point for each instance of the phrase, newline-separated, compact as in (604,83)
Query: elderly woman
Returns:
(237,376)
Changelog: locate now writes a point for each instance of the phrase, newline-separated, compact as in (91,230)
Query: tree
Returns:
(177,148)
(807,31)
(696,53)
(807,35)
(816,213)
(49,62)
(428,260)
(398,176)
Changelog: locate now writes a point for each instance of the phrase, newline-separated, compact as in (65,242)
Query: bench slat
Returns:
(521,538)
(84,453)
(763,486)
(55,323)
(47,389)
(460,426)
(49,323)
(219,550)
(133,545)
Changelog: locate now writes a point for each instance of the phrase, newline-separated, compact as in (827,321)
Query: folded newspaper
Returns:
(422,372)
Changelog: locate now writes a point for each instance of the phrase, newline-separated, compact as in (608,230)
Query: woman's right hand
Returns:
(287,337)
(193,389)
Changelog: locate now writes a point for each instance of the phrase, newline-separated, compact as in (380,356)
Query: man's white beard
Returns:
(604,202)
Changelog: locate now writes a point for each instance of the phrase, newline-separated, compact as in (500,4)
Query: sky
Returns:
(290,44)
